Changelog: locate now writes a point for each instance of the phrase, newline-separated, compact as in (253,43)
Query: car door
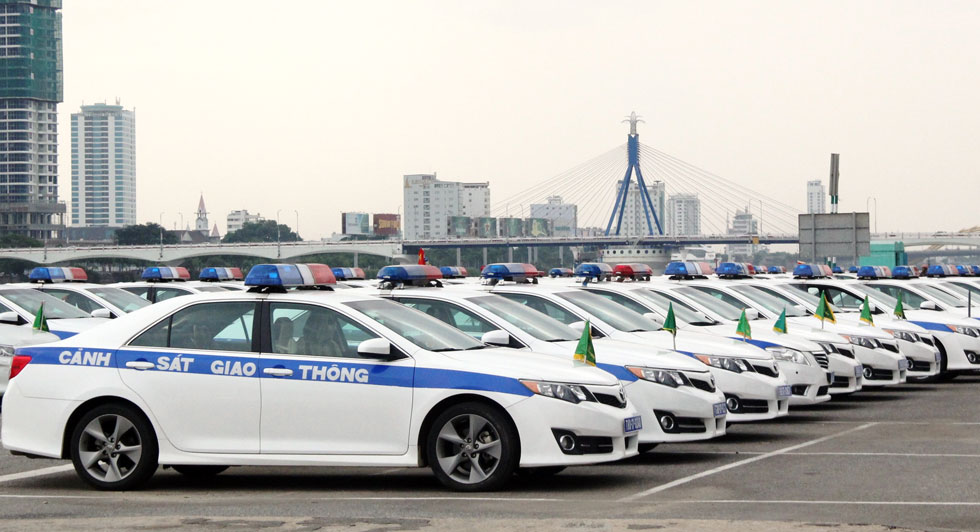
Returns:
(319,396)
(197,371)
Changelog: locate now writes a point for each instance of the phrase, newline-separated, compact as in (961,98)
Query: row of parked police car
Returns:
(478,378)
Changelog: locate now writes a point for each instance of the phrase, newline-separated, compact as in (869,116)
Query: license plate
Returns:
(939,356)
(783,392)
(858,371)
(632,424)
(720,409)
(830,377)
(903,364)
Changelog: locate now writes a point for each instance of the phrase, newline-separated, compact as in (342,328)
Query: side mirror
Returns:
(496,337)
(579,326)
(9,317)
(751,314)
(927,305)
(376,348)
(101,313)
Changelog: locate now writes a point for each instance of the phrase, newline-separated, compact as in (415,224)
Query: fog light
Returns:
(567,442)
(733,404)
(867,372)
(667,422)
(911,364)
(971,357)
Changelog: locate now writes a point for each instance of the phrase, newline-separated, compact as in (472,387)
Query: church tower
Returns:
(202,218)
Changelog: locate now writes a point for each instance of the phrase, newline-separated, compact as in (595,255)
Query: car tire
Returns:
(113,447)
(199,471)
(539,472)
(454,442)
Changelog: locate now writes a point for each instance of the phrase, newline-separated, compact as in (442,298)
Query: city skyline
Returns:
(756,93)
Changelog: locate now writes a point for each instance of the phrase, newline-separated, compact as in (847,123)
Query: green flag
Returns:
(780,325)
(40,323)
(899,309)
(824,312)
(743,328)
(670,324)
(584,351)
(866,312)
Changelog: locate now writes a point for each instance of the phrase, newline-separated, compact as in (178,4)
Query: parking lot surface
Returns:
(906,457)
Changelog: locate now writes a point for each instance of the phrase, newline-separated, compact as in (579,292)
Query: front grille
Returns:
(682,425)
(765,370)
(799,389)
(822,359)
(880,374)
(840,382)
(918,365)
(608,399)
(846,351)
(702,385)
(750,406)
(891,347)
(822,390)
(595,444)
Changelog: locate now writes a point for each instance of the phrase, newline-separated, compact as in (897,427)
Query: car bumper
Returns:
(690,412)
(598,425)
(756,394)
(881,367)
(34,426)
(924,360)
(848,374)
(958,347)
(810,384)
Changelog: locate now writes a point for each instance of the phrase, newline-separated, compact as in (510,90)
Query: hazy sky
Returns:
(320,107)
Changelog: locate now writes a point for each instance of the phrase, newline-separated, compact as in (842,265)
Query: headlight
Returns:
(788,355)
(573,393)
(731,364)
(863,341)
(908,336)
(660,376)
(969,331)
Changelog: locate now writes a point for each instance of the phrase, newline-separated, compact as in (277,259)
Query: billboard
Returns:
(538,227)
(355,223)
(387,224)
(458,226)
(486,227)
(840,235)
(511,227)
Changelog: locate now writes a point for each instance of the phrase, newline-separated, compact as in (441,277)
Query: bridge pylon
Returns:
(633,166)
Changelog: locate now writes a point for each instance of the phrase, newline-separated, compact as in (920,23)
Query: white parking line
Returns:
(36,473)
(740,463)
(914,455)
(12,496)
(835,503)
(496,499)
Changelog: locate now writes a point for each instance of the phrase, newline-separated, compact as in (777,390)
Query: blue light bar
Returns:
(409,273)
(809,271)
(975,269)
(867,272)
(777,269)
(594,270)
(453,272)
(212,273)
(688,269)
(165,273)
(939,270)
(510,271)
(561,272)
(838,269)
(348,274)
(290,275)
(903,272)
(962,270)
(49,275)
(731,269)
(852,269)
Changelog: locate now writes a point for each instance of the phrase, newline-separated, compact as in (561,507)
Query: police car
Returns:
(305,377)
(808,378)
(160,283)
(675,395)
(71,286)
(19,306)
(12,337)
(748,376)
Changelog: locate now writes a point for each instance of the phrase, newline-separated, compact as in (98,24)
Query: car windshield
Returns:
(880,296)
(940,295)
(30,300)
(713,304)
(415,326)
(683,311)
(121,299)
(618,316)
(812,300)
(964,289)
(772,303)
(538,325)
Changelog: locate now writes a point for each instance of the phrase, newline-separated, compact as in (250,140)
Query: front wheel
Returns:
(113,447)
(473,447)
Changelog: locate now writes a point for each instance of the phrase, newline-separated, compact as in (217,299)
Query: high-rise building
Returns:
(816,197)
(236,219)
(634,217)
(743,224)
(30,90)
(429,203)
(684,215)
(103,166)
(564,216)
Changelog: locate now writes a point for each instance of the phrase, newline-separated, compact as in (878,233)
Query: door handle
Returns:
(139,364)
(278,372)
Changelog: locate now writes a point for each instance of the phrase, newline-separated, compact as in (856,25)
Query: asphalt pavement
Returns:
(905,457)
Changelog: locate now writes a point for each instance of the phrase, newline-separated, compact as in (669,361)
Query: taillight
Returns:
(18,363)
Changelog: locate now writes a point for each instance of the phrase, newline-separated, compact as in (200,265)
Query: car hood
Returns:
(704,344)
(842,327)
(763,335)
(520,364)
(68,327)
(20,336)
(617,352)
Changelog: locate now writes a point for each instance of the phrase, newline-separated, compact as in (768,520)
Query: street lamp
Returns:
(161,235)
(866,203)
(297,223)
(278,236)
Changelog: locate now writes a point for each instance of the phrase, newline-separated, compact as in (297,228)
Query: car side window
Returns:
(219,326)
(843,299)
(299,329)
(908,297)
(541,304)
(165,293)
(718,294)
(74,298)
(623,300)
(454,315)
